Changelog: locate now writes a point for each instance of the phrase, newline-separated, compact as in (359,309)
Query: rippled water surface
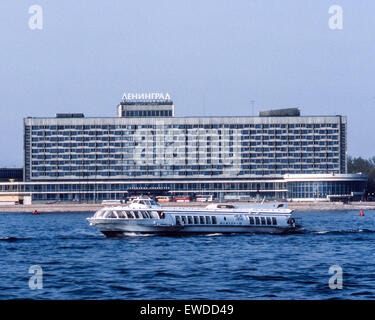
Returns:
(78,262)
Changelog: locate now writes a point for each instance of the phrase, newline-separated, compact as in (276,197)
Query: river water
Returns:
(78,262)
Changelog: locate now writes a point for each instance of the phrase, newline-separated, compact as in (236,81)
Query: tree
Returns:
(366,166)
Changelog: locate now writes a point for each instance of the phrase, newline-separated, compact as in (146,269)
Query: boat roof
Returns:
(216,208)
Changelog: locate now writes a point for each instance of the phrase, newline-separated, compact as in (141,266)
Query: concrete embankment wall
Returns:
(81,207)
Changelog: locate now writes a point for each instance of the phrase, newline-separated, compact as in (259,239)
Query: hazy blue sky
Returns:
(213,57)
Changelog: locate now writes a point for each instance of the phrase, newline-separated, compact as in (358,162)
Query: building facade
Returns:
(162,148)
(11,174)
(73,157)
(325,187)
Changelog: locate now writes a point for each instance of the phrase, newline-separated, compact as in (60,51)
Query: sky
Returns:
(213,57)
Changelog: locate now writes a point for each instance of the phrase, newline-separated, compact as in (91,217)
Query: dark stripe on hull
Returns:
(113,234)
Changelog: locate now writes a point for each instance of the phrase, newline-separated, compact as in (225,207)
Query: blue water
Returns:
(78,262)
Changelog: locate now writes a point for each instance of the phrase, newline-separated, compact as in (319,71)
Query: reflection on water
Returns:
(78,262)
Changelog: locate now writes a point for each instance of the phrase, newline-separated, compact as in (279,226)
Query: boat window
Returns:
(263,219)
(109,214)
(201,219)
(144,214)
(137,214)
(130,215)
(121,214)
(214,221)
(257,221)
(268,221)
(99,214)
(196,220)
(161,214)
(251,220)
(190,220)
(208,220)
(274,221)
(178,220)
(184,219)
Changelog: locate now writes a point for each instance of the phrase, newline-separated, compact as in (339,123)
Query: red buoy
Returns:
(361,214)
(36,212)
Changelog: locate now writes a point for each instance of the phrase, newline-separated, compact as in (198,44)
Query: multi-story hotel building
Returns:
(279,154)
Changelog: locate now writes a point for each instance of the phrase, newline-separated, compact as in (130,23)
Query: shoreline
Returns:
(85,207)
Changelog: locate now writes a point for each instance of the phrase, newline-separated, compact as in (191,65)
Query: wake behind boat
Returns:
(144,215)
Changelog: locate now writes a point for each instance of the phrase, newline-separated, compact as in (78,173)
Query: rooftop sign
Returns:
(146,96)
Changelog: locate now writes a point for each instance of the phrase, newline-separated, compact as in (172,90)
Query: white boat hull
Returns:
(117,229)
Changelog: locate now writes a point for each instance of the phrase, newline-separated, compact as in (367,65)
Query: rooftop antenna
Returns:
(204,105)
(252,107)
